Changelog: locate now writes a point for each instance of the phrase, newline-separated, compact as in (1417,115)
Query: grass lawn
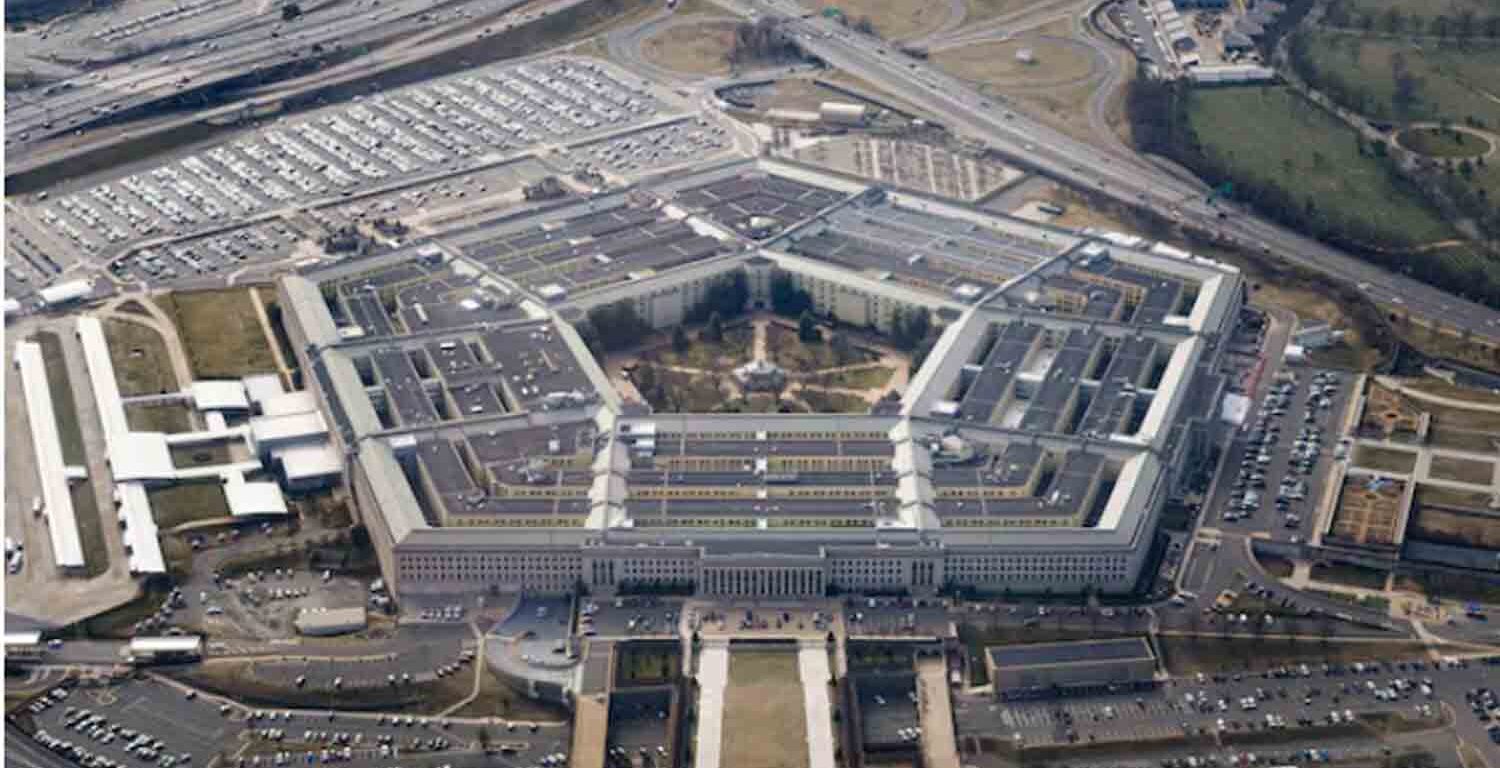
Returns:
(708,356)
(159,418)
(1188,655)
(117,623)
(893,19)
(980,10)
(237,679)
(678,392)
(174,505)
(70,435)
(1373,602)
(1432,495)
(1462,470)
(1435,142)
(1350,575)
(760,403)
(791,353)
(700,49)
(1385,459)
(1428,9)
(199,455)
(1245,129)
(495,699)
(1455,82)
(222,335)
(1450,587)
(1455,392)
(1279,567)
(855,378)
(823,401)
(994,63)
(140,359)
(764,726)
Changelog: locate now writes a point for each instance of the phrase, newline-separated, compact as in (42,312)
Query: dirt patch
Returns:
(1027,62)
(1368,511)
(700,49)
(1385,459)
(1462,470)
(1350,575)
(1456,527)
(893,19)
(169,418)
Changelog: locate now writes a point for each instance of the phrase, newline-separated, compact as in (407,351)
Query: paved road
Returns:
(1128,178)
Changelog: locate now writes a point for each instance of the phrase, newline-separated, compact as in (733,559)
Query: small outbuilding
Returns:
(322,622)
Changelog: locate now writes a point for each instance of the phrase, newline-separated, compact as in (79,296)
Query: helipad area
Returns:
(1034,448)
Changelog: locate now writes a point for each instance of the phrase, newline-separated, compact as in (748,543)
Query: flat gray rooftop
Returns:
(1054,654)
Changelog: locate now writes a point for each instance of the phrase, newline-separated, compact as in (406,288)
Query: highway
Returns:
(1125,177)
(269,42)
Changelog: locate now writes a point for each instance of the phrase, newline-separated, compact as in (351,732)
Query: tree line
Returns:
(1466,25)
(1159,115)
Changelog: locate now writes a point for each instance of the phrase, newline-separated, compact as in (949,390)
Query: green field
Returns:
(1419,14)
(1453,82)
(1247,130)
(1436,142)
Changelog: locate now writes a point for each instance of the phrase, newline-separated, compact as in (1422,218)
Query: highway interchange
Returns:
(1125,177)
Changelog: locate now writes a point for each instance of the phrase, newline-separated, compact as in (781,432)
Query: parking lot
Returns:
(218,254)
(170,728)
(437,128)
(1281,460)
(1300,696)
(887,709)
(639,727)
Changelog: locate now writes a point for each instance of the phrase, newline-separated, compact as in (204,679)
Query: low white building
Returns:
(65,293)
(322,622)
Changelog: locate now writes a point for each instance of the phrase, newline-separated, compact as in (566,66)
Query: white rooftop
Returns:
(289,403)
(219,395)
(253,498)
(301,461)
(65,292)
(262,386)
(184,644)
(140,456)
(280,429)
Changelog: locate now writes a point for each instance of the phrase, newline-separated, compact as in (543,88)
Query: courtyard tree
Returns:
(807,328)
(843,349)
(787,299)
(679,340)
(617,326)
(714,331)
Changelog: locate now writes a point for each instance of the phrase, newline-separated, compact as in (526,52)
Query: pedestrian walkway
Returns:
(812,661)
(713,679)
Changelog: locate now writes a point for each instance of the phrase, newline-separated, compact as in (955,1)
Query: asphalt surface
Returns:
(265,42)
(1196,705)
(202,727)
